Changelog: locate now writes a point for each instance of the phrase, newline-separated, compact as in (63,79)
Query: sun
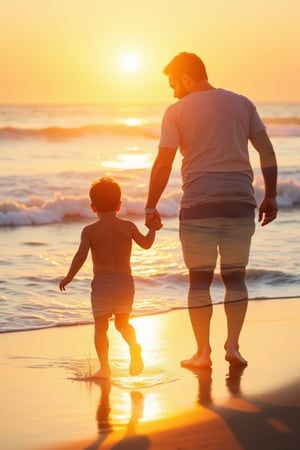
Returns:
(130,62)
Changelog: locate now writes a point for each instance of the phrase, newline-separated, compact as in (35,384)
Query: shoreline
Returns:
(141,315)
(47,405)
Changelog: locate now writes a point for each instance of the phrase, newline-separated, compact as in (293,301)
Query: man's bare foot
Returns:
(136,363)
(102,374)
(234,357)
(197,362)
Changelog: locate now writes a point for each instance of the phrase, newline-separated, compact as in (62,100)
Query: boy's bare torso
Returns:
(110,241)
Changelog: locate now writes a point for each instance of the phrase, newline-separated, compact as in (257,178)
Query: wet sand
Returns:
(47,404)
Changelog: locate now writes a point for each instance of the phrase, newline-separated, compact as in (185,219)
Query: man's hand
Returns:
(63,283)
(267,211)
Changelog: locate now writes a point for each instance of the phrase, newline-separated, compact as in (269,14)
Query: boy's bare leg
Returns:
(200,311)
(236,302)
(102,345)
(128,333)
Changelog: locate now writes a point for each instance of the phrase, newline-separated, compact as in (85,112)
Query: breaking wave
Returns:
(58,133)
(60,208)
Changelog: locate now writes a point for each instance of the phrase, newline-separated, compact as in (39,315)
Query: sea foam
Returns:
(59,208)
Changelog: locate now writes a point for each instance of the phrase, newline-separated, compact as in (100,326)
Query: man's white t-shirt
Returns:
(212,129)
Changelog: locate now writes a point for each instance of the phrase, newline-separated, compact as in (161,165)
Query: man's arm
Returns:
(268,208)
(159,178)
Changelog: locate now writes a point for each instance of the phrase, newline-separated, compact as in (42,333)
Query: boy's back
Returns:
(110,243)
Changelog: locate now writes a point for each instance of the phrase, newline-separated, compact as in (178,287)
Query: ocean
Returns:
(50,155)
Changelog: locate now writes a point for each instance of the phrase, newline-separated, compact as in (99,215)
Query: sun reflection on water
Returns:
(132,121)
(129,161)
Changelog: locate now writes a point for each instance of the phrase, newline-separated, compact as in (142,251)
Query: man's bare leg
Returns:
(102,345)
(236,302)
(200,317)
(128,333)
(200,320)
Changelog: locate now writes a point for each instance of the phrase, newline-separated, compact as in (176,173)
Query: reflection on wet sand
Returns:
(131,440)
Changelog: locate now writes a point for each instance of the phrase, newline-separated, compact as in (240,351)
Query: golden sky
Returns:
(69,51)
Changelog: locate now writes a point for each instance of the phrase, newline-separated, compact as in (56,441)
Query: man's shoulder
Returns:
(237,101)
(170,109)
(237,95)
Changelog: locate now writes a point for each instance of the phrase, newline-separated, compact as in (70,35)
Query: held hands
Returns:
(267,211)
(155,225)
(153,221)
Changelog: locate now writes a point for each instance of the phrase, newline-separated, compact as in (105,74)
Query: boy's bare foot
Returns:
(234,357)
(136,362)
(197,362)
(102,374)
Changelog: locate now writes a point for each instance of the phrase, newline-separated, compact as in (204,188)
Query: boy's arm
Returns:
(144,241)
(78,260)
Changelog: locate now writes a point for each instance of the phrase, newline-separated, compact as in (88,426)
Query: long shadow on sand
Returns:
(260,425)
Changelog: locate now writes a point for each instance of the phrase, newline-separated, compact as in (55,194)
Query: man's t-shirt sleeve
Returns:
(256,124)
(170,135)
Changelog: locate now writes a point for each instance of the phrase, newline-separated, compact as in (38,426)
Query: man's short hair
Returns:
(105,194)
(186,63)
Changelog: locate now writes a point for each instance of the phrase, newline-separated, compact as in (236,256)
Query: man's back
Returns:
(213,125)
(212,129)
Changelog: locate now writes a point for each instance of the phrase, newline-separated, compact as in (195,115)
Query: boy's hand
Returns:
(155,225)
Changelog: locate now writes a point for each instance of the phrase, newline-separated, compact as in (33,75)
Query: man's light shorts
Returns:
(204,238)
(112,293)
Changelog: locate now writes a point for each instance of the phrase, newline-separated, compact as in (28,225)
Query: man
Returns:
(212,128)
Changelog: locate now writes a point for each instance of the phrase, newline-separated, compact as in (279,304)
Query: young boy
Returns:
(110,242)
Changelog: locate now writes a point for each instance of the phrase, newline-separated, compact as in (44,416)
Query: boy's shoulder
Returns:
(91,228)
(91,225)
(124,223)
